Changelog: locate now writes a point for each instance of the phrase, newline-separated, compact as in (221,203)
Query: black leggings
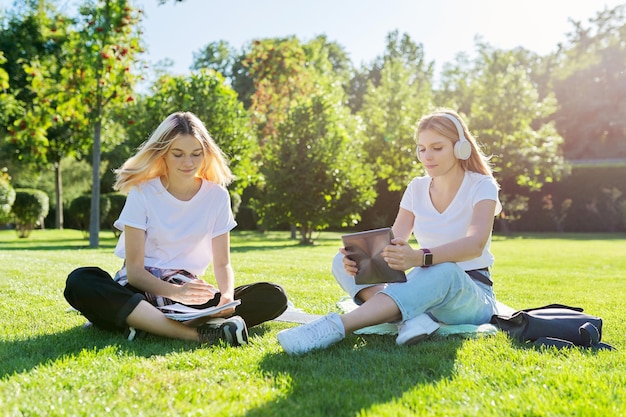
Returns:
(107,304)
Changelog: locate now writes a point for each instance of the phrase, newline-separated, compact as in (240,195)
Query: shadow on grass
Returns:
(21,356)
(52,247)
(235,248)
(246,241)
(60,244)
(559,236)
(355,375)
(52,243)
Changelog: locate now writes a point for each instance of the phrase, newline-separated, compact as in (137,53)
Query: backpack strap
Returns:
(589,334)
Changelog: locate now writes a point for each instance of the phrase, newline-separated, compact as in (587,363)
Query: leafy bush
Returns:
(595,196)
(7,198)
(30,208)
(80,211)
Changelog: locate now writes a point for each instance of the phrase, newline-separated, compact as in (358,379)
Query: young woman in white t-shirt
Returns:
(175,222)
(451,213)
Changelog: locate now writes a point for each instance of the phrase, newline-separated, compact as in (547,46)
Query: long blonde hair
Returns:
(149,161)
(477,162)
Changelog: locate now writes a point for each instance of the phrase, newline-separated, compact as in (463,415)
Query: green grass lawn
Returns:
(51,366)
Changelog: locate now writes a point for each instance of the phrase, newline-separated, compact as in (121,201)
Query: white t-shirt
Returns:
(432,228)
(178,233)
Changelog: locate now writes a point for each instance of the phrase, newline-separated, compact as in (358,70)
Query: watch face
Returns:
(428,259)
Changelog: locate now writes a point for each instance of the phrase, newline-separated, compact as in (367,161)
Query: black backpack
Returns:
(553,325)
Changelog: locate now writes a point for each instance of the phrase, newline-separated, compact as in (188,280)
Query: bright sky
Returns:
(176,30)
(444,27)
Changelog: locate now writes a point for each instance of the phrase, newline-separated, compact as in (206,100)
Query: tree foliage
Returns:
(281,75)
(69,72)
(286,73)
(7,198)
(391,109)
(8,103)
(67,91)
(52,124)
(206,94)
(315,172)
(218,56)
(510,121)
(590,86)
(223,58)
(106,49)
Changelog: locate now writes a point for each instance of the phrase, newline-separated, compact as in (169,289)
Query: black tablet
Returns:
(365,249)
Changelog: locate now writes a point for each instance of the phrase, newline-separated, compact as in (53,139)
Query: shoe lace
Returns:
(318,331)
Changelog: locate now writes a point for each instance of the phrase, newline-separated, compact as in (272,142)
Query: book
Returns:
(181,312)
(365,249)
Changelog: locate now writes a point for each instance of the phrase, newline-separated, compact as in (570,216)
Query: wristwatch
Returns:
(428,258)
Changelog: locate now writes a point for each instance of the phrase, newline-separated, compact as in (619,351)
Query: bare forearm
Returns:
(225,278)
(460,250)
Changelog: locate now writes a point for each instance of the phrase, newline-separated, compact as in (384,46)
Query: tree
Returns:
(106,49)
(221,57)
(281,75)
(307,136)
(509,120)
(52,124)
(21,40)
(591,89)
(399,48)
(326,57)
(237,68)
(315,171)
(454,89)
(391,109)
(218,56)
(70,72)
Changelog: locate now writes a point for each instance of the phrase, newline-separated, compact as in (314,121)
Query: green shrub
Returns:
(595,194)
(30,208)
(7,198)
(80,211)
(117,201)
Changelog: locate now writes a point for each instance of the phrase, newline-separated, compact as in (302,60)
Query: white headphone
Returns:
(462,148)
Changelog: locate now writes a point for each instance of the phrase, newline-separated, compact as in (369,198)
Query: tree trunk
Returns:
(59,195)
(94,219)
(305,235)
(504,226)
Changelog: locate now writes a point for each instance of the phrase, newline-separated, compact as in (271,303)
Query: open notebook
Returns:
(364,248)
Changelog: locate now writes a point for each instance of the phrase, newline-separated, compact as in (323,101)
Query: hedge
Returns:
(29,208)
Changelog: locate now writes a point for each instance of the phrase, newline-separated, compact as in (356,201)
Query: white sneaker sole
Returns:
(427,328)
(416,339)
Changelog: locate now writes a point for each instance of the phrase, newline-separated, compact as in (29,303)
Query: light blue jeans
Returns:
(444,291)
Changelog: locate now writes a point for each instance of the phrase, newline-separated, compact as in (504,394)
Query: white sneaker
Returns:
(318,334)
(416,329)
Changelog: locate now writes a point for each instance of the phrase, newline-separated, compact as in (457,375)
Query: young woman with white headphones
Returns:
(451,213)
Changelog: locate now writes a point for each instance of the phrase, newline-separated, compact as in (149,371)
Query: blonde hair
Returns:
(149,161)
(477,162)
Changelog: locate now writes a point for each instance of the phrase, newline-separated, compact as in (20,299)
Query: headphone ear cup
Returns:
(462,149)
